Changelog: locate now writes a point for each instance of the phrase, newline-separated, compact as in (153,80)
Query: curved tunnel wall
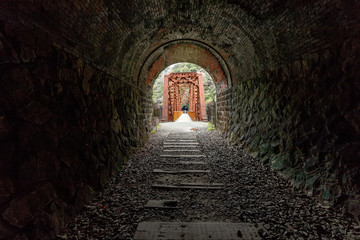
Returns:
(66,127)
(72,108)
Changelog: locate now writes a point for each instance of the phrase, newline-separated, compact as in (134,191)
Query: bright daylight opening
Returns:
(184,94)
(209,86)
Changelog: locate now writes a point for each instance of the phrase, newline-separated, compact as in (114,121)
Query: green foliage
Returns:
(210,93)
(185,67)
(209,86)
(119,167)
(211,127)
(158,89)
(155,130)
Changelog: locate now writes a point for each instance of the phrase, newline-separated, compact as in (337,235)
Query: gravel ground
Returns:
(253,193)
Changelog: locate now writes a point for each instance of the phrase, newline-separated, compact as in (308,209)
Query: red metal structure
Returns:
(173,82)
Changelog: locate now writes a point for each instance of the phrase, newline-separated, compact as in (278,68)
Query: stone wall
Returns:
(156,115)
(224,110)
(65,127)
(303,120)
(211,112)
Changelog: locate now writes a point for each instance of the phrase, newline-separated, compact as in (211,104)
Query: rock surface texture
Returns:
(75,94)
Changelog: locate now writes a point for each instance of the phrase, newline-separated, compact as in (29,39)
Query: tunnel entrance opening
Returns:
(182,93)
(190,51)
(180,88)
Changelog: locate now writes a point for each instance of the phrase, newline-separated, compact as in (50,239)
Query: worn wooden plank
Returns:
(179,171)
(187,136)
(197,230)
(162,204)
(184,163)
(183,156)
(180,146)
(192,162)
(201,184)
(186,187)
(182,150)
(181,143)
(180,140)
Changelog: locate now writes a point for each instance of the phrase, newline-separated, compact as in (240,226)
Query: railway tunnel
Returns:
(76,80)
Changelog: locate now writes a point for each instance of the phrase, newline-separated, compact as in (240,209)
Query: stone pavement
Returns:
(184,118)
(183,124)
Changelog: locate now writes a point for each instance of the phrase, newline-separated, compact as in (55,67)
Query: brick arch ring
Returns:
(185,50)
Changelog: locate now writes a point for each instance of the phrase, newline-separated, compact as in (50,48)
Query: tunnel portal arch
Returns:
(185,50)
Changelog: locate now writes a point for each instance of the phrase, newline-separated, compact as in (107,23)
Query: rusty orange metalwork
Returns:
(172,98)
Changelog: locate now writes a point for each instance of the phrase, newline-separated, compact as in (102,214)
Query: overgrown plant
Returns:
(211,127)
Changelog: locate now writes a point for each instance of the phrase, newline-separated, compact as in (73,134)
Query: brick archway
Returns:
(186,50)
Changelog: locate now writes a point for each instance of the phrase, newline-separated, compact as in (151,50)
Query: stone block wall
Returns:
(156,115)
(211,112)
(224,109)
(303,120)
(65,127)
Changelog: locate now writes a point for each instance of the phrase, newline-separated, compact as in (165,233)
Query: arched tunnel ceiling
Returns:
(250,36)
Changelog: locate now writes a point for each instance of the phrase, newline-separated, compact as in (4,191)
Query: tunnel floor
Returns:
(231,187)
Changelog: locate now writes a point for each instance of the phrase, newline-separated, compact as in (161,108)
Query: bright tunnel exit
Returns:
(189,89)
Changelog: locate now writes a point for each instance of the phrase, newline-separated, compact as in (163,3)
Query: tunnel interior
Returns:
(75,96)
